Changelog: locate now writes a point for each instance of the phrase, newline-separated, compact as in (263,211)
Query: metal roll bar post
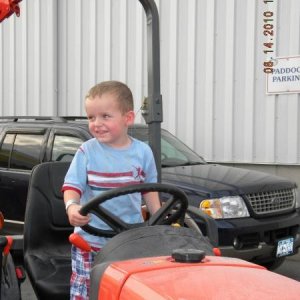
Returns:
(152,109)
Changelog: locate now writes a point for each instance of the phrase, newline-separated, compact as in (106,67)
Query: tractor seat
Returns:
(47,251)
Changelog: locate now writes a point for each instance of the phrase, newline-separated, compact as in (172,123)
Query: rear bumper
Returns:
(256,239)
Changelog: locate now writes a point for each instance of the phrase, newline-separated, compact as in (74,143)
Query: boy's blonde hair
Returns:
(120,90)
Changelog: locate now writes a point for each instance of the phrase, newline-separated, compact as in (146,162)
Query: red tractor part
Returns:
(8,245)
(162,278)
(79,242)
(8,7)
(1,220)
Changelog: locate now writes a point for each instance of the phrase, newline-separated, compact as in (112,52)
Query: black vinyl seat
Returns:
(47,251)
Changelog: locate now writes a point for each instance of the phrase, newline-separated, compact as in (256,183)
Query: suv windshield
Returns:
(173,151)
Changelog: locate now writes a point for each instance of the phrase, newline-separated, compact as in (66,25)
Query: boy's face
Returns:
(107,123)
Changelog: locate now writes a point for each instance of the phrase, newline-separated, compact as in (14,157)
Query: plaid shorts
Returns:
(81,268)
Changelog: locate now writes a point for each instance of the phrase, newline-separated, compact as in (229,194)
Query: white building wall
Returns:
(212,78)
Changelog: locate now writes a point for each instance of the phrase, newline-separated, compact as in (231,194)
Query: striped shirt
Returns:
(97,167)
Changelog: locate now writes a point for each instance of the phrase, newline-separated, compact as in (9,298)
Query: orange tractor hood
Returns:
(159,278)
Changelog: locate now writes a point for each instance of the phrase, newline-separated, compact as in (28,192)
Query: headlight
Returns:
(225,207)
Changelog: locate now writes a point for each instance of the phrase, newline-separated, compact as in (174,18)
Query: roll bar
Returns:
(152,108)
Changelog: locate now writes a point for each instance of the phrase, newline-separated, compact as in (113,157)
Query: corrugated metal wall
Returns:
(212,78)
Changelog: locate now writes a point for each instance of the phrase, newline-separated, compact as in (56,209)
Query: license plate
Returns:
(285,247)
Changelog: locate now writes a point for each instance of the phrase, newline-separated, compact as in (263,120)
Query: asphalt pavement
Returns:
(291,267)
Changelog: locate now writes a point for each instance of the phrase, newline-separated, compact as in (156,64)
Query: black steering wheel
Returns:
(174,209)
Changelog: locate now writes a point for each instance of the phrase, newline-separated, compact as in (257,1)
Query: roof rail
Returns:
(42,118)
(74,118)
(18,118)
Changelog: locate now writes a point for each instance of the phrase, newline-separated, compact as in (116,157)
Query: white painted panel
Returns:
(212,78)
(21,61)
(209,81)
(48,57)
(269,140)
(88,45)
(75,59)
(32,18)
(31,56)
(8,68)
(136,78)
(249,72)
(228,82)
(169,61)
(293,101)
(186,70)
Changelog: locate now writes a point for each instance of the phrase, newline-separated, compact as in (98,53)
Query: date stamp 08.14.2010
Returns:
(269,33)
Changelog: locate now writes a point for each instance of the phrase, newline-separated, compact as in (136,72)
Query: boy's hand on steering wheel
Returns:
(75,218)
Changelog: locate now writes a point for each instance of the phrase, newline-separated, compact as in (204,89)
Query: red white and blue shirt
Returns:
(97,167)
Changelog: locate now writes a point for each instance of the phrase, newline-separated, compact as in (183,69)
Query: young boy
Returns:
(111,159)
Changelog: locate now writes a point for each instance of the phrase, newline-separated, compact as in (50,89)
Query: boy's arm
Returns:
(72,208)
(152,201)
(71,195)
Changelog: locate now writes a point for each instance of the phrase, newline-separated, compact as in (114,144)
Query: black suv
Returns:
(257,214)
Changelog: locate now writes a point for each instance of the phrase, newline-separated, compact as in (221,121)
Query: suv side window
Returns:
(26,151)
(65,147)
(6,149)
